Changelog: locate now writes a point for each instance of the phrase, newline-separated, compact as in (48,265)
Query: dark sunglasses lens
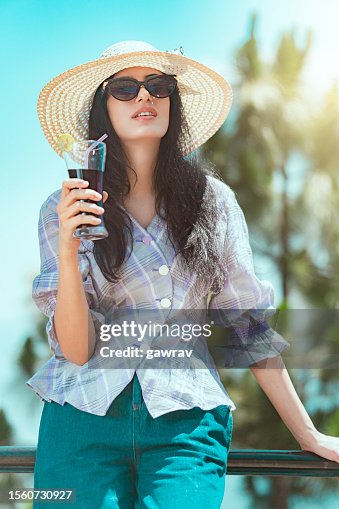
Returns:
(123,90)
(161,86)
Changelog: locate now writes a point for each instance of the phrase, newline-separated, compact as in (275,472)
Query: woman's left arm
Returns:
(243,305)
(275,381)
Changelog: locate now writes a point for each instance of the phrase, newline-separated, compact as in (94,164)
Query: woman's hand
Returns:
(323,445)
(68,210)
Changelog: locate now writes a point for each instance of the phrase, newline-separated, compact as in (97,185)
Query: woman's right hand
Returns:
(68,210)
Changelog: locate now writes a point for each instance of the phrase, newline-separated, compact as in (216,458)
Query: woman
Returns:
(140,435)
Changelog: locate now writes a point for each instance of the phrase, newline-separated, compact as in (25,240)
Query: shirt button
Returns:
(163,270)
(165,302)
(147,239)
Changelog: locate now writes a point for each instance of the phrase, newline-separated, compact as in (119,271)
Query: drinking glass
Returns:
(86,160)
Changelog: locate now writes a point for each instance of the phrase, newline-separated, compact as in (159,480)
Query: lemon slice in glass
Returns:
(65,142)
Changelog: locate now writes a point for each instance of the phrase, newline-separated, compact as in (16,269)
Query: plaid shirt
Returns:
(147,283)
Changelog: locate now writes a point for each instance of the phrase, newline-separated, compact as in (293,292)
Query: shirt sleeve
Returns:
(245,302)
(45,284)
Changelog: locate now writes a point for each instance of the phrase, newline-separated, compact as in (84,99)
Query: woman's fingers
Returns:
(75,195)
(82,206)
(77,199)
(76,221)
(72,183)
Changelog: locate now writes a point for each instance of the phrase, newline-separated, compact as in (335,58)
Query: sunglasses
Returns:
(125,89)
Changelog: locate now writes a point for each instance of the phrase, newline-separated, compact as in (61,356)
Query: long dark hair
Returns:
(180,184)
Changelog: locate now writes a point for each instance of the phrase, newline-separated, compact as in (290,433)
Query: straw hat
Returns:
(64,103)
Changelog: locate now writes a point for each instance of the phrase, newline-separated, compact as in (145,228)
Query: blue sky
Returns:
(43,38)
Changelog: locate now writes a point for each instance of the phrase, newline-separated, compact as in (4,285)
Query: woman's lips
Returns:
(149,117)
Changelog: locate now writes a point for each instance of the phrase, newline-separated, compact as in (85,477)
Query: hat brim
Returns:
(64,103)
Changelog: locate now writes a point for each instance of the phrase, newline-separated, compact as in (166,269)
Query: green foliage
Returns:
(5,429)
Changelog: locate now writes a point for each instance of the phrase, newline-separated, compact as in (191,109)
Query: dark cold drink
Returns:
(86,160)
(95,179)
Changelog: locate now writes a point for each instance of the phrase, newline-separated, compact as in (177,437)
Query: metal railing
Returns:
(240,462)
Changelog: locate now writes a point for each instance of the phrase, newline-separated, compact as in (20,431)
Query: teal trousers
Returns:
(129,460)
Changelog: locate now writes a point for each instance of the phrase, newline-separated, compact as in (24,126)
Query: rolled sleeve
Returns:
(245,302)
(45,284)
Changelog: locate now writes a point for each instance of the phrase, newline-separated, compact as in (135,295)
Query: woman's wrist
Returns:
(68,254)
(309,438)
(68,251)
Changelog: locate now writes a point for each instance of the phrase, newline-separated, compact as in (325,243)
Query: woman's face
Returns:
(121,113)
